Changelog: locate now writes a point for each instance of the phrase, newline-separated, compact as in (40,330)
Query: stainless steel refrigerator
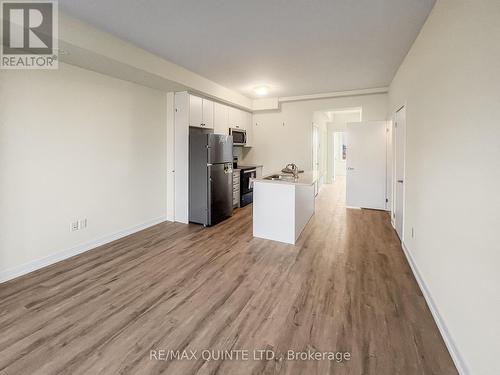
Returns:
(210,177)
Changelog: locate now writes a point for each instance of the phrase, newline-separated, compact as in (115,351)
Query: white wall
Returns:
(276,144)
(450,81)
(76,144)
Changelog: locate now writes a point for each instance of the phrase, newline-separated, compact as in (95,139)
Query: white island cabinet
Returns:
(282,208)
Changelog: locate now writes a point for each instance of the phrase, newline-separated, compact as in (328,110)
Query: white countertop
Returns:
(246,166)
(306,178)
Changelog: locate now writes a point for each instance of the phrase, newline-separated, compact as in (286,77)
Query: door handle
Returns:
(400,181)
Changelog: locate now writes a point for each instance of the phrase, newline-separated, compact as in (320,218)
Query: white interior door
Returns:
(366,165)
(399,169)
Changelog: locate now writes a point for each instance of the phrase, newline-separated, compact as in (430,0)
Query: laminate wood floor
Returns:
(344,287)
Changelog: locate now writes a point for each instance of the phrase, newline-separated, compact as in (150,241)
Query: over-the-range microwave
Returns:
(239,136)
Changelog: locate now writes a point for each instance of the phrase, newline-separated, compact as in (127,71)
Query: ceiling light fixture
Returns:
(261,90)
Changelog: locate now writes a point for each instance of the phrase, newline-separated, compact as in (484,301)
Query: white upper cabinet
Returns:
(204,113)
(235,118)
(201,112)
(221,125)
(195,111)
(207,114)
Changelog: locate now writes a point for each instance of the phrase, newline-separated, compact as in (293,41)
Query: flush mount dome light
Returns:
(261,90)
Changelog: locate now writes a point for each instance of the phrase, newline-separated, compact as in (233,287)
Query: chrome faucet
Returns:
(291,168)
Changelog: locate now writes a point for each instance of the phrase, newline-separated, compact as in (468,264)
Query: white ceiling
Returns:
(296,47)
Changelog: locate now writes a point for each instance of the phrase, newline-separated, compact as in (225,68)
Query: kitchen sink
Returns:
(278,177)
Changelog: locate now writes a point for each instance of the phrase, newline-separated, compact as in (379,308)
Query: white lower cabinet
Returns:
(236,188)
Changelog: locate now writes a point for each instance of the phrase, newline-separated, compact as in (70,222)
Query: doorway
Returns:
(339,151)
(399,171)
(316,156)
(315,148)
(329,143)
(337,142)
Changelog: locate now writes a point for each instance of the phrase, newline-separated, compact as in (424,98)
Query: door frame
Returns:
(334,170)
(315,147)
(394,179)
(315,154)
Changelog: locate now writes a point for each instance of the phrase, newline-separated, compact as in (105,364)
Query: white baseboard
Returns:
(361,208)
(448,340)
(34,265)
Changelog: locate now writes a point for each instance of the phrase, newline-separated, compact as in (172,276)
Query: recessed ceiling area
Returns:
(292,47)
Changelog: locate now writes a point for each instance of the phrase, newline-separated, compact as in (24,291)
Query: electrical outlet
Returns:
(75,225)
(82,223)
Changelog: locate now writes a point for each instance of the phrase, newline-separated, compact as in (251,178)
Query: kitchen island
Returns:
(282,205)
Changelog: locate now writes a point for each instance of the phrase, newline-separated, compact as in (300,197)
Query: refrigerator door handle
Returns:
(209,196)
